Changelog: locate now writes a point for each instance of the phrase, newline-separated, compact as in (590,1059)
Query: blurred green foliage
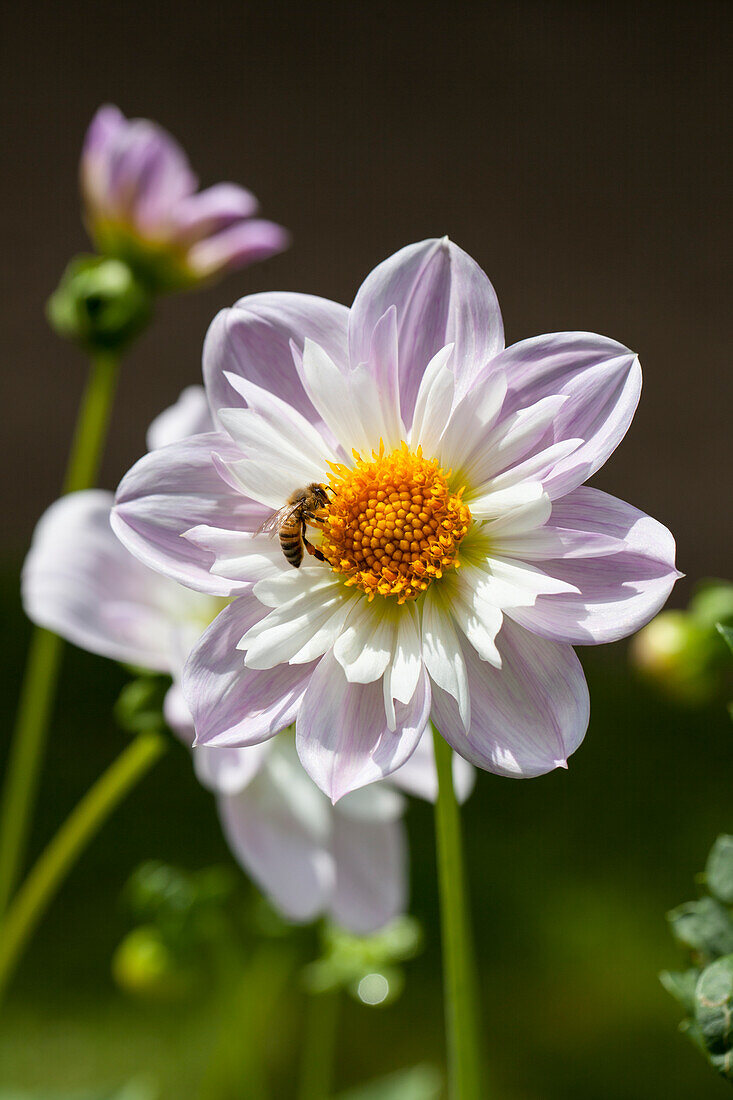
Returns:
(570,875)
(705,991)
(365,966)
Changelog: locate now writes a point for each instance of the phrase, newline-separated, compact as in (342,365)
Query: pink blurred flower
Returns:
(441,448)
(142,206)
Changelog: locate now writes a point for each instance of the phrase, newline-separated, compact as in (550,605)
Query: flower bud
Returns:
(713,603)
(145,966)
(99,303)
(674,652)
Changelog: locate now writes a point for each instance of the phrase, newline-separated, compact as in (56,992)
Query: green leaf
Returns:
(719,869)
(714,1013)
(681,985)
(704,926)
(418,1083)
(727,632)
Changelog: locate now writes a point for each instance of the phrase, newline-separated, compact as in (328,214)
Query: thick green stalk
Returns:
(459,970)
(319,1041)
(44,657)
(59,856)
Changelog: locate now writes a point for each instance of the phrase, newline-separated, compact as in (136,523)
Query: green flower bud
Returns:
(712,604)
(145,966)
(675,652)
(99,303)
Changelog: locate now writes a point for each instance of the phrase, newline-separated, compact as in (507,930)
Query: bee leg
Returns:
(313,550)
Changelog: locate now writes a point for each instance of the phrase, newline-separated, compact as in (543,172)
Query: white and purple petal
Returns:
(212,210)
(370,858)
(229,770)
(253,340)
(622,567)
(342,734)
(526,717)
(189,415)
(233,705)
(419,777)
(441,297)
(237,245)
(279,828)
(168,492)
(601,380)
(79,581)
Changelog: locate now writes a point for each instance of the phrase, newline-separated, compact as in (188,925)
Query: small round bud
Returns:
(99,303)
(674,652)
(713,603)
(145,966)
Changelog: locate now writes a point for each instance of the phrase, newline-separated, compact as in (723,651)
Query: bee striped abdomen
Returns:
(291,543)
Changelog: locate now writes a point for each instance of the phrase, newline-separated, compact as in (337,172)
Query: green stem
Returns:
(459,970)
(251,1011)
(44,657)
(92,423)
(319,1041)
(59,856)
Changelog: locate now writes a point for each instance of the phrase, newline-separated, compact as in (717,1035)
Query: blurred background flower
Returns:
(142,206)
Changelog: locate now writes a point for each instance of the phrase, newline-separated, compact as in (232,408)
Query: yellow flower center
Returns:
(393,525)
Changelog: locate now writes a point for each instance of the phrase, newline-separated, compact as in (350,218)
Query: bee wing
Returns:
(273,522)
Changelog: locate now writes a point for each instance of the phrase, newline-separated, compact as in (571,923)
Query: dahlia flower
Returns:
(143,207)
(459,556)
(310,857)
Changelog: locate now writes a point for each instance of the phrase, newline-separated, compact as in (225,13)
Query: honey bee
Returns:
(303,506)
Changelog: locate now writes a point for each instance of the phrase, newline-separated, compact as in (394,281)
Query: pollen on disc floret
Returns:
(393,524)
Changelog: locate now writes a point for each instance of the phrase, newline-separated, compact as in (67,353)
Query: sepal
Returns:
(100,304)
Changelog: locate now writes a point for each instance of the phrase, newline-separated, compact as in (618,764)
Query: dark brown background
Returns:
(578,151)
